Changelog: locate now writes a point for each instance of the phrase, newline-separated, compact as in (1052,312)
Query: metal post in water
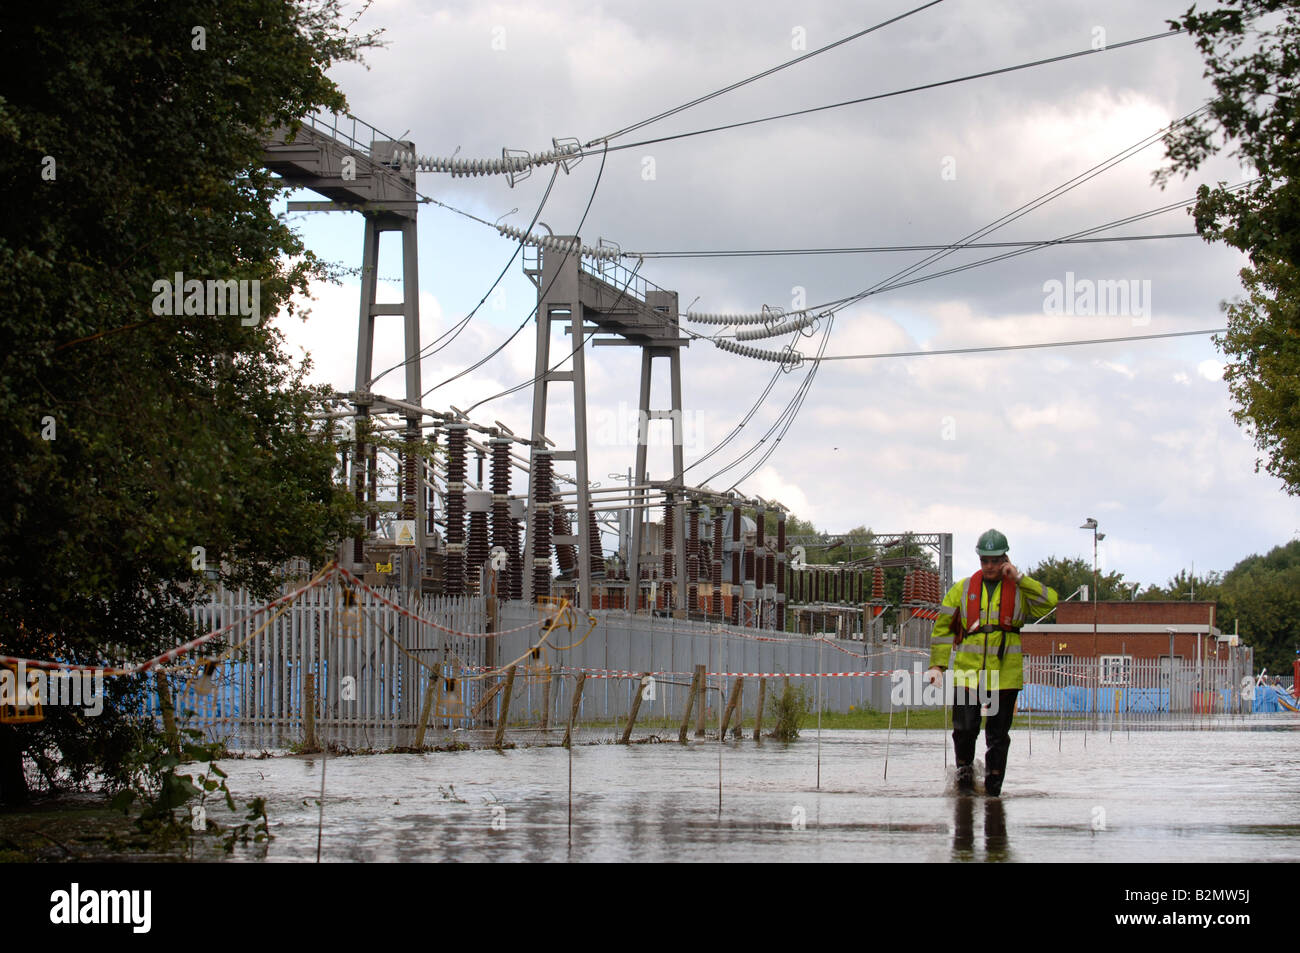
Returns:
(889,733)
(325,747)
(719,722)
(819,713)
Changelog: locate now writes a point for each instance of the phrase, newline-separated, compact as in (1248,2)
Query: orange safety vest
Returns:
(971,611)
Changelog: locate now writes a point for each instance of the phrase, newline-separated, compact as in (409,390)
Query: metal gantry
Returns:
(597,301)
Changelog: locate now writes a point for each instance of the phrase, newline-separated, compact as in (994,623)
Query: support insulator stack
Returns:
(541,476)
(878,584)
(479,548)
(769,588)
(453,583)
(566,554)
(736,585)
(515,549)
(716,578)
(780,571)
(693,557)
(411,469)
(670,534)
(596,562)
(502,523)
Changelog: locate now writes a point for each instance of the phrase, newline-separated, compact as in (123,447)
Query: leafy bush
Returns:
(788,711)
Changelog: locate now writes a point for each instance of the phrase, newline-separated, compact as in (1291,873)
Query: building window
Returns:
(1116,669)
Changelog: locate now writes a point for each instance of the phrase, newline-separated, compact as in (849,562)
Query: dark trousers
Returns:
(997,728)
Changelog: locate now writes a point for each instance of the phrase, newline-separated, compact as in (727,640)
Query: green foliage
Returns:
(1264,379)
(1067,574)
(163,790)
(129,437)
(788,711)
(1261,594)
(1187,587)
(1252,55)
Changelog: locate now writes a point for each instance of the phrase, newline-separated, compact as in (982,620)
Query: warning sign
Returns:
(404,532)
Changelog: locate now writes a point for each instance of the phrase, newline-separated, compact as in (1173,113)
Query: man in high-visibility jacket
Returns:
(978,631)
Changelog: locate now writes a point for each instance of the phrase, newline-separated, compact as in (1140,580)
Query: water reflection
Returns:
(1236,791)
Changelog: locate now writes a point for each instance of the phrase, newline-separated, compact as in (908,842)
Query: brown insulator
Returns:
(565,553)
(596,562)
(693,557)
(716,566)
(735,566)
(669,563)
(516,570)
(541,565)
(453,583)
(782,572)
(877,583)
(502,524)
(479,547)
(410,469)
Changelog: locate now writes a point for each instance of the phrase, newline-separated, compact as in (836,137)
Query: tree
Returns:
(1068,574)
(1261,597)
(1187,587)
(131,152)
(1252,55)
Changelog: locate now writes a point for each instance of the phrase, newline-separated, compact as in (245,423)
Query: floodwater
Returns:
(1227,794)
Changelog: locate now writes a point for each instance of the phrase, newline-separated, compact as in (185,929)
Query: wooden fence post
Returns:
(546,701)
(309,711)
(505,708)
(636,707)
(690,703)
(426,708)
(573,709)
(732,700)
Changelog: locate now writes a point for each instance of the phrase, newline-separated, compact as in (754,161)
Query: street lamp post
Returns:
(1091,524)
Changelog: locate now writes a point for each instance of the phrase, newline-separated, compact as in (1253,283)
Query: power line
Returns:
(795,404)
(897,92)
(1033,205)
(1018,347)
(567,252)
(873,249)
(518,387)
(757,76)
(455,329)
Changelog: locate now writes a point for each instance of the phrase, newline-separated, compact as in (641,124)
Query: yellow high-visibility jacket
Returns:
(978,651)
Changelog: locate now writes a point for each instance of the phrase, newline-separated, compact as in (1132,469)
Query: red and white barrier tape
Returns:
(429,622)
(170,654)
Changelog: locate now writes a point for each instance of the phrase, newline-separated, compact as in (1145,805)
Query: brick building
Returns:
(1136,630)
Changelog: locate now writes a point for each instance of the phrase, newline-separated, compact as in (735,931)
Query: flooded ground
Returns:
(1228,794)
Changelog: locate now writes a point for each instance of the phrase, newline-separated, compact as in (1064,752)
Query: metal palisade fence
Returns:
(372,673)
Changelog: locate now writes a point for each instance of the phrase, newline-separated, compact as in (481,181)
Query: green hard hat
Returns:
(992,543)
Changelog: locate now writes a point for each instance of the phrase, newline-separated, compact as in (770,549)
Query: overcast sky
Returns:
(1137,434)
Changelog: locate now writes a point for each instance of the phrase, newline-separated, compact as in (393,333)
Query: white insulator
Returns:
(760,354)
(776,330)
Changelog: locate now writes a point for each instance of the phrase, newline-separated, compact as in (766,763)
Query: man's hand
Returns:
(934,675)
(1009,571)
